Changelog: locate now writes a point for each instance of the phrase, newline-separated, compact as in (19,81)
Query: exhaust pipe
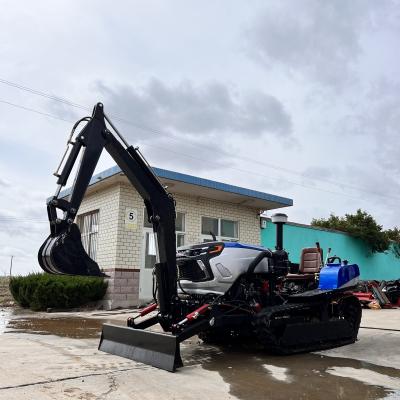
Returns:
(279,220)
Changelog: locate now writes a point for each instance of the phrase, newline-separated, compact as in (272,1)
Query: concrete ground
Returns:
(54,356)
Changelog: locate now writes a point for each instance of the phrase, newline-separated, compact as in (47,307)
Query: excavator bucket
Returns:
(64,254)
(153,348)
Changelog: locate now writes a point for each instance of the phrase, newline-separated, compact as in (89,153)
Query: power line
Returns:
(257,173)
(164,134)
(43,94)
(209,148)
(21,219)
(35,111)
(208,162)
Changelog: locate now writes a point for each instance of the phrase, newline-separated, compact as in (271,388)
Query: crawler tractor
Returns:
(217,290)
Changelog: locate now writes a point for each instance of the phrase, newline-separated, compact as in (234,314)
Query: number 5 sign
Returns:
(131,216)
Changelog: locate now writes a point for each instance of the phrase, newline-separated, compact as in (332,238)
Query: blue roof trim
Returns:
(194,180)
(239,245)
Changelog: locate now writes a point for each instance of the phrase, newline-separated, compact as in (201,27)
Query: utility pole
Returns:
(11,261)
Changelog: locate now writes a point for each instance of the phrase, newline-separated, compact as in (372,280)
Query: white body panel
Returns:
(226,268)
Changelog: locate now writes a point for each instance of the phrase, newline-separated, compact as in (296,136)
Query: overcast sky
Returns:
(294,98)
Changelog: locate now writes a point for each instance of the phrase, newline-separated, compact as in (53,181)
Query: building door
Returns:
(147,265)
(149,254)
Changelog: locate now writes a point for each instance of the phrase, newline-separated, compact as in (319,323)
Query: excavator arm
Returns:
(63,252)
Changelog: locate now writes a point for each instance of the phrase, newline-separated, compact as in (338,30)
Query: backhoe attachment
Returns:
(63,251)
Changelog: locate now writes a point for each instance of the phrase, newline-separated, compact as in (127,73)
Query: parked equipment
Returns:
(217,290)
(385,294)
(392,291)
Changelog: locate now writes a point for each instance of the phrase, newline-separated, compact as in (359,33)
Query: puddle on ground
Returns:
(5,315)
(71,327)
(254,375)
(251,373)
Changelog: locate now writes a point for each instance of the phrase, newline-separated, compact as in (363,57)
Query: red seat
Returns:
(310,264)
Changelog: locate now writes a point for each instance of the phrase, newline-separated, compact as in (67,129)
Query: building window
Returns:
(180,227)
(89,227)
(223,229)
(150,250)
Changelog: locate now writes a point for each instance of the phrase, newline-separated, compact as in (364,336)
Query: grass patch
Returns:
(42,291)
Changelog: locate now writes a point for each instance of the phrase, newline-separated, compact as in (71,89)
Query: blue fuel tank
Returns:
(337,276)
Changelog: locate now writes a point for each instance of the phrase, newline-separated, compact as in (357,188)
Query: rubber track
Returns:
(271,342)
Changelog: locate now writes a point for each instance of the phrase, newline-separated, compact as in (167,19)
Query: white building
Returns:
(116,233)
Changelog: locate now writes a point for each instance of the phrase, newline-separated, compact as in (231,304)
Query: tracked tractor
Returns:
(220,291)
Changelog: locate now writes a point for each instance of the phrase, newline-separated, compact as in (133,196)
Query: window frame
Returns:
(180,233)
(89,239)
(207,238)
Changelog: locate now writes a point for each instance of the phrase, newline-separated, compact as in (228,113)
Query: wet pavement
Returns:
(79,328)
(254,375)
(4,318)
(243,373)
(21,321)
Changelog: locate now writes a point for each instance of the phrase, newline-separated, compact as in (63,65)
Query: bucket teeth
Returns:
(157,349)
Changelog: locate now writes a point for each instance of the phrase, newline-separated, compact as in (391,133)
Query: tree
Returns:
(394,236)
(363,226)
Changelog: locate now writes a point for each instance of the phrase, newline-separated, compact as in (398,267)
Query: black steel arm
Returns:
(159,203)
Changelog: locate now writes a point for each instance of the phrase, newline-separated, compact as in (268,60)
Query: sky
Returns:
(294,98)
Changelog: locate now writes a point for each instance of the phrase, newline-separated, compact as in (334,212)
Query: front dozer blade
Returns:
(65,255)
(157,349)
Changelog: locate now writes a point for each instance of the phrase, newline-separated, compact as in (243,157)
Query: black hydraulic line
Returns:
(154,288)
(193,329)
(144,324)
(253,265)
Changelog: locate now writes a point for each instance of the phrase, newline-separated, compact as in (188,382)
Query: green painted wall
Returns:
(377,266)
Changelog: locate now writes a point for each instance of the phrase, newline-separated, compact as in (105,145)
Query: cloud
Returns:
(211,109)
(190,157)
(4,183)
(8,251)
(317,172)
(25,223)
(65,111)
(193,125)
(376,121)
(318,40)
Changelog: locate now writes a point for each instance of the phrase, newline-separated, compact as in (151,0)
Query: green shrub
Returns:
(42,291)
(360,225)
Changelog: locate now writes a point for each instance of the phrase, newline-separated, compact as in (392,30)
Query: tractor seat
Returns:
(310,264)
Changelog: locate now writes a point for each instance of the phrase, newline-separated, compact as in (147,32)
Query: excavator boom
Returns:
(63,252)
